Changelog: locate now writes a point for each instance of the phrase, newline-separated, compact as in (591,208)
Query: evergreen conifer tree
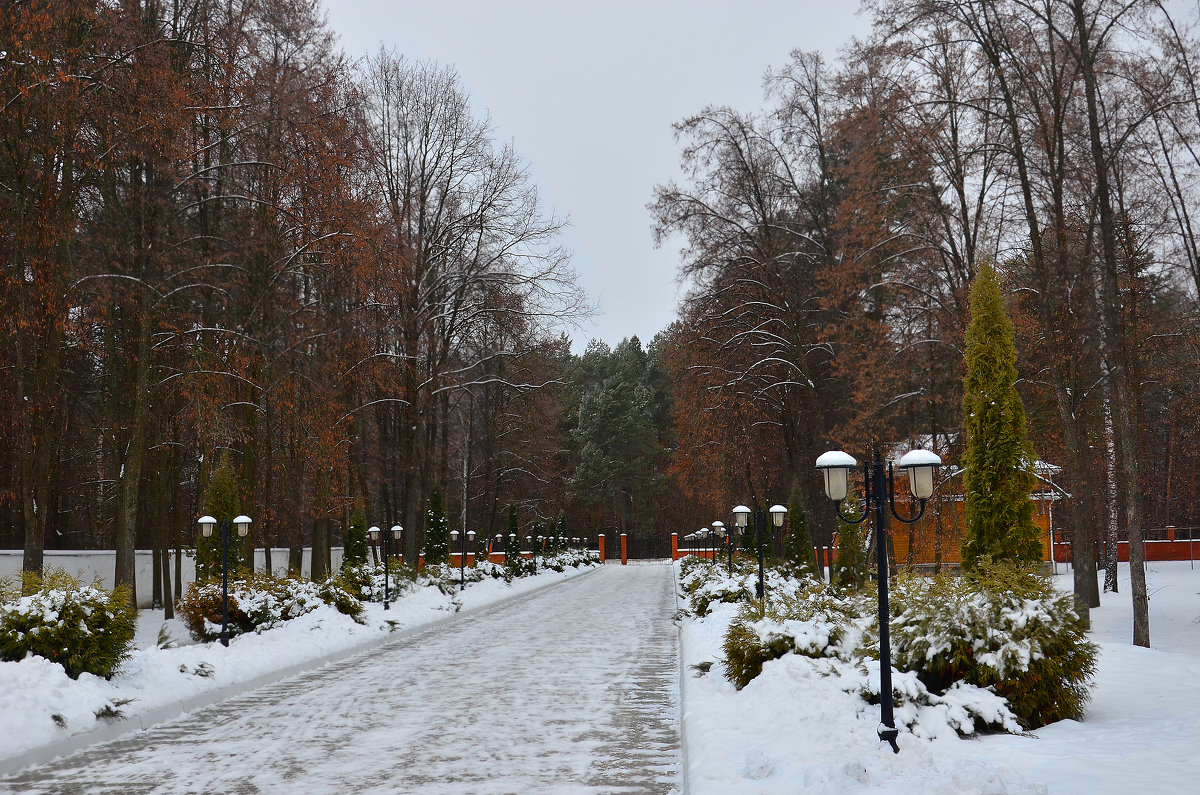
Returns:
(220,501)
(998,461)
(850,564)
(512,558)
(437,532)
(354,543)
(800,556)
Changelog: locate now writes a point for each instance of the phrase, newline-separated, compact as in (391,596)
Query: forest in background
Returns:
(223,239)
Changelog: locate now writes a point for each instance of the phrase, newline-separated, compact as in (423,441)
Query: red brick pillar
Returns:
(674,547)
(624,551)
(600,546)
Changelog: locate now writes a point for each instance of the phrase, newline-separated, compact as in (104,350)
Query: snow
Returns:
(156,683)
(572,688)
(836,458)
(917,458)
(798,727)
(802,727)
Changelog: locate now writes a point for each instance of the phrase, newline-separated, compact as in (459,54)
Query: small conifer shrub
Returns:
(1003,627)
(82,627)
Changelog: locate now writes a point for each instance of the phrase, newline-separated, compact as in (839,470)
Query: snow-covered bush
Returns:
(82,627)
(1001,627)
(567,558)
(813,620)
(448,579)
(259,602)
(365,581)
(836,634)
(704,584)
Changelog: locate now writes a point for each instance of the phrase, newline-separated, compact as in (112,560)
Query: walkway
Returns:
(571,689)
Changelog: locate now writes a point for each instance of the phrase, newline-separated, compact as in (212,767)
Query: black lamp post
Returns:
(374,534)
(741,516)
(880,498)
(462,554)
(727,540)
(207,523)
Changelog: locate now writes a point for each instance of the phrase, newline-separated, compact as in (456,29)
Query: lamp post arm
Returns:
(837,506)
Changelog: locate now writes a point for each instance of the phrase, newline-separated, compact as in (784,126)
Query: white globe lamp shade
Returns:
(836,466)
(921,465)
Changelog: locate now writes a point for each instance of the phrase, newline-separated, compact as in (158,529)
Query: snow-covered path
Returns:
(571,689)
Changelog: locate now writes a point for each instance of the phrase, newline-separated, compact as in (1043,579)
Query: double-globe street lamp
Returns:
(462,554)
(741,517)
(392,535)
(726,539)
(880,497)
(207,523)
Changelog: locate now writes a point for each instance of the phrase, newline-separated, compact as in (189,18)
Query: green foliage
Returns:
(618,433)
(799,552)
(512,549)
(704,585)
(258,602)
(222,502)
(82,627)
(437,532)
(850,564)
(1002,627)
(354,541)
(998,461)
(746,652)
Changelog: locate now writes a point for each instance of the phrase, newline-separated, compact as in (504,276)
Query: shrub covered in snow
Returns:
(704,584)
(82,627)
(365,581)
(1001,627)
(259,602)
(836,634)
(813,621)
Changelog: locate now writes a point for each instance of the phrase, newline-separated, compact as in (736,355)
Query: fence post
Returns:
(674,547)
(600,544)
(624,551)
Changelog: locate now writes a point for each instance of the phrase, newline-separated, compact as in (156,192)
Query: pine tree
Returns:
(850,565)
(220,501)
(800,556)
(354,543)
(437,532)
(998,461)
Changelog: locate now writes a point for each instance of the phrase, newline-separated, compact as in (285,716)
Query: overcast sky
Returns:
(587,92)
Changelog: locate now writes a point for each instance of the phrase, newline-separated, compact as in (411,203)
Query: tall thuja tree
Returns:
(850,565)
(437,532)
(221,501)
(998,461)
(354,544)
(800,556)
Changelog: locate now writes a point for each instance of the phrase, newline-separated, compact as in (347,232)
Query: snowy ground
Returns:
(791,732)
(156,684)
(572,688)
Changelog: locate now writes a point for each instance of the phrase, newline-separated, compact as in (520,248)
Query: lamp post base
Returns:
(888,735)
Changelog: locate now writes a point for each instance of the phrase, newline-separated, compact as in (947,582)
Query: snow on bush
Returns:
(1002,627)
(82,627)
(365,581)
(258,602)
(705,583)
(835,633)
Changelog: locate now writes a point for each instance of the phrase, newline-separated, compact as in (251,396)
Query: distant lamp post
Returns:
(374,533)
(207,523)
(726,539)
(741,517)
(880,497)
(462,555)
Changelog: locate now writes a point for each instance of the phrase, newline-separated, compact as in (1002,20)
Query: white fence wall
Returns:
(102,563)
